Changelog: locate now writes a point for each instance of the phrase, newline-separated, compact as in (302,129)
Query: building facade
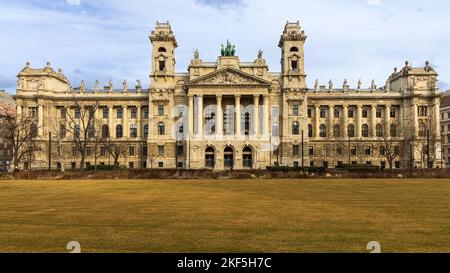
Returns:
(7,109)
(445,128)
(231,114)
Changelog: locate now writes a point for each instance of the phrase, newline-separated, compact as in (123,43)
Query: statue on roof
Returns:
(229,50)
(260,54)
(196,54)
(330,85)
(359,84)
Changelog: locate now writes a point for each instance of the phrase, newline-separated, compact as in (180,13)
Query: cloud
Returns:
(374,2)
(108,39)
(221,4)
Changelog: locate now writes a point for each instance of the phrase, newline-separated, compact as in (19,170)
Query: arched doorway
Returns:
(210,158)
(247,157)
(228,157)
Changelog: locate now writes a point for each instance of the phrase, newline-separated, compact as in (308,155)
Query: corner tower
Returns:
(292,56)
(163,54)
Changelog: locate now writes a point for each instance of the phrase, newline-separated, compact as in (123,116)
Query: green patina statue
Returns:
(229,50)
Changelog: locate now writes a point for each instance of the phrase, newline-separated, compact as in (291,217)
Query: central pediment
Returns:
(228,76)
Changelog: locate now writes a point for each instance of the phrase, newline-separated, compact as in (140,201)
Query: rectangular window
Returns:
(120,112)
(102,151)
(146,112)
(160,110)
(368,151)
(131,151)
(131,165)
(350,112)
(73,165)
(337,113)
(339,150)
(379,112)
(323,112)
(393,113)
(105,113)
(161,150)
(423,111)
(275,121)
(162,65)
(311,150)
(353,150)
(133,112)
(294,65)
(160,164)
(180,164)
(74,151)
(448,115)
(309,113)
(33,112)
(365,113)
(180,150)
(88,151)
(295,150)
(63,113)
(77,113)
(295,109)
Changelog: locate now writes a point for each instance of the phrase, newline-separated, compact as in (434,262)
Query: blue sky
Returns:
(108,39)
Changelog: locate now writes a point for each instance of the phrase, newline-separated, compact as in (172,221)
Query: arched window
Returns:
(310,130)
(393,130)
(119,131)
(91,130)
(162,49)
(145,131)
(323,130)
(62,131)
(379,129)
(337,130)
(161,129)
(181,129)
(105,131)
(294,49)
(351,130)
(422,129)
(365,130)
(295,128)
(133,131)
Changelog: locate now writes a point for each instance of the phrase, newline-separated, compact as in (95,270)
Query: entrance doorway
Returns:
(210,160)
(247,157)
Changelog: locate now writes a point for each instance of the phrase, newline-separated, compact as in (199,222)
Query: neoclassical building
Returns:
(231,114)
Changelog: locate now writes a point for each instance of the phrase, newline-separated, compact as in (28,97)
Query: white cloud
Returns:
(108,39)
(373,2)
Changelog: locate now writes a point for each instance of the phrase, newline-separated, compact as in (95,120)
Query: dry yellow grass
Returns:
(225,216)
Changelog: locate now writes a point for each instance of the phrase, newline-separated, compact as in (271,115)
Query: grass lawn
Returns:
(225,215)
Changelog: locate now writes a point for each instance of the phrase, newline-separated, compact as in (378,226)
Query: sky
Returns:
(108,39)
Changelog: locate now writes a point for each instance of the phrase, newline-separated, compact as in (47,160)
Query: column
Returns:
(373,120)
(437,115)
(191,115)
(415,117)
(111,121)
(316,120)
(237,109)
(358,121)
(139,121)
(200,115)
(266,115)
(219,117)
(125,122)
(330,121)
(19,111)
(41,120)
(345,121)
(256,114)
(387,119)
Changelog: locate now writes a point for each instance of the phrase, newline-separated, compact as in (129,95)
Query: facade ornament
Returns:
(27,64)
(260,54)
(196,54)
(96,86)
(111,86)
(330,85)
(359,85)
(316,85)
(138,86)
(229,50)
(345,85)
(125,86)
(83,87)
(373,86)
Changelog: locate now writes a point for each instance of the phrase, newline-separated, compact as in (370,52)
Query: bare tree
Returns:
(394,146)
(115,149)
(80,123)
(21,133)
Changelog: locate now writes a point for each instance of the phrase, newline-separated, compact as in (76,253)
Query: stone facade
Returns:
(445,129)
(265,119)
